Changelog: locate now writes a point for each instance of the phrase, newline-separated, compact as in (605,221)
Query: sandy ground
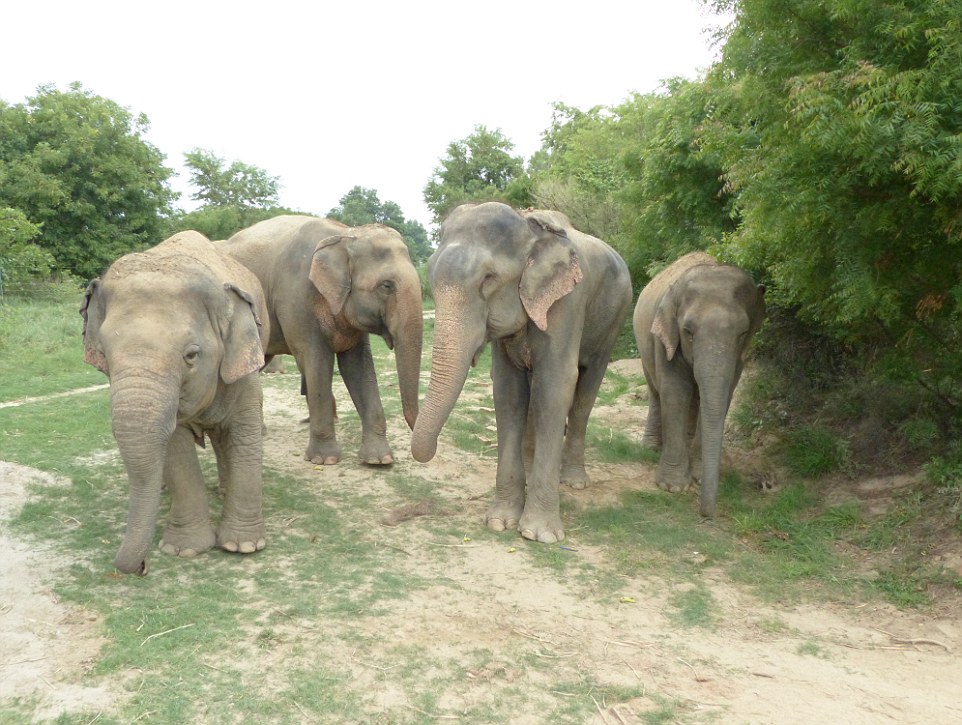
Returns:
(861,663)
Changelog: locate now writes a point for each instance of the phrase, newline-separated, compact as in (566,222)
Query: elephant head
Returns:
(170,333)
(494,272)
(367,276)
(708,318)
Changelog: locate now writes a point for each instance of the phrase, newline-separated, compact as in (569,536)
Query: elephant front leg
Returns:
(573,471)
(239,449)
(511,394)
(357,370)
(188,531)
(552,393)
(317,366)
(674,470)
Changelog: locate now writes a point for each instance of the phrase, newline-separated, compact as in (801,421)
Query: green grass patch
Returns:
(41,348)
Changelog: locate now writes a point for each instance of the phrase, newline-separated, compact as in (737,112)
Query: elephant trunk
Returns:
(452,354)
(144,415)
(407,329)
(714,390)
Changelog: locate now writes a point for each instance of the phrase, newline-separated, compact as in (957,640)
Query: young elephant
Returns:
(329,285)
(552,301)
(180,331)
(693,323)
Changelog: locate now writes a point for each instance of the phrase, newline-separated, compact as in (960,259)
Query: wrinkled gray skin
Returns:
(551,301)
(180,330)
(693,323)
(328,286)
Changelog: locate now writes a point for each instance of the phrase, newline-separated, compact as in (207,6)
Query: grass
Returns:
(307,630)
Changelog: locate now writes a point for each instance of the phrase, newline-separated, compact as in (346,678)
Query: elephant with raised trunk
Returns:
(328,287)
(693,323)
(180,332)
(551,300)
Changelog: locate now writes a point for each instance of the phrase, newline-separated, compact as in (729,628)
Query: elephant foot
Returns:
(187,542)
(673,486)
(241,539)
(575,476)
(503,516)
(542,528)
(376,453)
(325,453)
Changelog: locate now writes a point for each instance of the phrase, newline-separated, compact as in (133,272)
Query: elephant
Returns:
(552,302)
(180,331)
(328,286)
(694,323)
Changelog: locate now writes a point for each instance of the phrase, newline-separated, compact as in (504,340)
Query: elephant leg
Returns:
(317,367)
(652,435)
(552,394)
(674,472)
(357,370)
(239,449)
(188,531)
(573,471)
(511,395)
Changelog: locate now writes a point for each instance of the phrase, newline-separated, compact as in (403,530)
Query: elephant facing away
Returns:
(328,287)
(552,301)
(180,332)
(694,323)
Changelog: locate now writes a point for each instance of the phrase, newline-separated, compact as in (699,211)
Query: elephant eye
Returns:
(191,354)
(487,282)
(387,286)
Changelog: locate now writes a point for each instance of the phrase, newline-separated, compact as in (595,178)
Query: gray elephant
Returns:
(180,332)
(328,286)
(552,301)
(694,322)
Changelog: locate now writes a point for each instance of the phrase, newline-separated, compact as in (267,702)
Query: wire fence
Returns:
(23,282)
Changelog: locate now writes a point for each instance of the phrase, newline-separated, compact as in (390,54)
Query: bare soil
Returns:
(788,662)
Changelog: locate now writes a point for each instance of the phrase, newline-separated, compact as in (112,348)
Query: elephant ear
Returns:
(553,270)
(331,270)
(243,352)
(664,326)
(93,313)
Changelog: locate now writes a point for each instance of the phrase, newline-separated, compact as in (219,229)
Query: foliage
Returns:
(479,167)
(77,165)
(21,260)
(838,126)
(362,206)
(221,222)
(578,169)
(238,185)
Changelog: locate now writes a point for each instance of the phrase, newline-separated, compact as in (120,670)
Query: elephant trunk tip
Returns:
(128,567)
(423,449)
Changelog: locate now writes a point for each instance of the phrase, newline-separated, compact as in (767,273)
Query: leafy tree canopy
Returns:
(77,165)
(477,168)
(838,123)
(362,206)
(239,184)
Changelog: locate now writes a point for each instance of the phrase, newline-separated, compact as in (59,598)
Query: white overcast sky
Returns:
(332,94)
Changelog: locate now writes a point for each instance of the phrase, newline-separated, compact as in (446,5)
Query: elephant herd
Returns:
(182,329)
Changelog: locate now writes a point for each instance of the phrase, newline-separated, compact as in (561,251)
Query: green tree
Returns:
(240,184)
(838,125)
(477,168)
(20,258)
(234,196)
(362,206)
(77,165)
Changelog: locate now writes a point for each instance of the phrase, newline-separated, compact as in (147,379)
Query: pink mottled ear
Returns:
(243,353)
(552,271)
(665,324)
(331,270)
(92,311)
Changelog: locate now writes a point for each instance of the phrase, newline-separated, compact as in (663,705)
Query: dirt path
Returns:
(761,663)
